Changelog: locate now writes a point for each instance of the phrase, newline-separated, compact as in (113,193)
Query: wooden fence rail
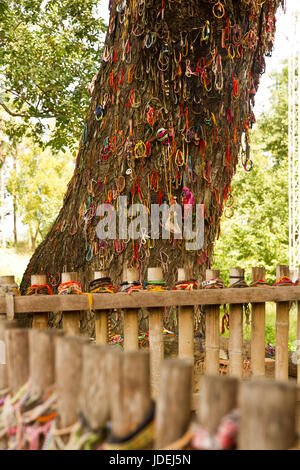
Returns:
(185,300)
(62,391)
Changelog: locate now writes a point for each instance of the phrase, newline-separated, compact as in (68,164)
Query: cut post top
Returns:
(38,279)
(69,277)
(155,274)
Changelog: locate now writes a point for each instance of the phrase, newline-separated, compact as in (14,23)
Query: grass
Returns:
(13,261)
(270,331)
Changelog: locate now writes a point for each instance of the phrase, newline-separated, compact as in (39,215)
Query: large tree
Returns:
(171,107)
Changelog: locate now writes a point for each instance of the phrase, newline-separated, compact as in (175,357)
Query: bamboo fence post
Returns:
(185,323)
(212,332)
(156,334)
(9,288)
(130,394)
(17,357)
(298,335)
(282,332)
(40,320)
(4,325)
(258,330)
(95,385)
(236,329)
(268,415)
(131,325)
(68,370)
(101,317)
(218,397)
(71,320)
(173,409)
(41,359)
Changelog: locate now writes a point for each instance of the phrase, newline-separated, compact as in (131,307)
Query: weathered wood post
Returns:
(41,359)
(95,386)
(101,316)
(40,320)
(156,333)
(131,325)
(185,323)
(258,330)
(236,328)
(212,332)
(71,320)
(173,409)
(282,332)
(68,370)
(218,397)
(268,415)
(17,357)
(4,325)
(9,288)
(130,394)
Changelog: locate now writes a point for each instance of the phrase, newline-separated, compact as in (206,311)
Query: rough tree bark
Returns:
(189,67)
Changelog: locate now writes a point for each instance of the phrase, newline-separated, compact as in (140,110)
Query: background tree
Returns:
(257,233)
(37,183)
(49,53)
(169,107)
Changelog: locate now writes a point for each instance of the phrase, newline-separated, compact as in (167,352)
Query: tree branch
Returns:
(25,115)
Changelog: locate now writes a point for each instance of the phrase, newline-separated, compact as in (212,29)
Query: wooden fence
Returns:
(185,300)
(96,384)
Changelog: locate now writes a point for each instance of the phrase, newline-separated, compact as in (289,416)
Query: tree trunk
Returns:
(191,68)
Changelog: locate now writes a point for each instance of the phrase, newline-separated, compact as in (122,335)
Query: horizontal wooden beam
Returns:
(65,303)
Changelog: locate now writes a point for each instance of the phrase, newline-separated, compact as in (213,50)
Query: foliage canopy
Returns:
(49,53)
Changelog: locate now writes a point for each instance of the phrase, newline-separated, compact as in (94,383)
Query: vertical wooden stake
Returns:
(185,324)
(40,320)
(130,396)
(17,357)
(68,370)
(282,332)
(268,415)
(95,385)
(236,330)
(4,325)
(212,332)
(218,397)
(71,320)
(131,325)
(173,409)
(9,288)
(41,359)
(101,317)
(156,334)
(8,281)
(258,330)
